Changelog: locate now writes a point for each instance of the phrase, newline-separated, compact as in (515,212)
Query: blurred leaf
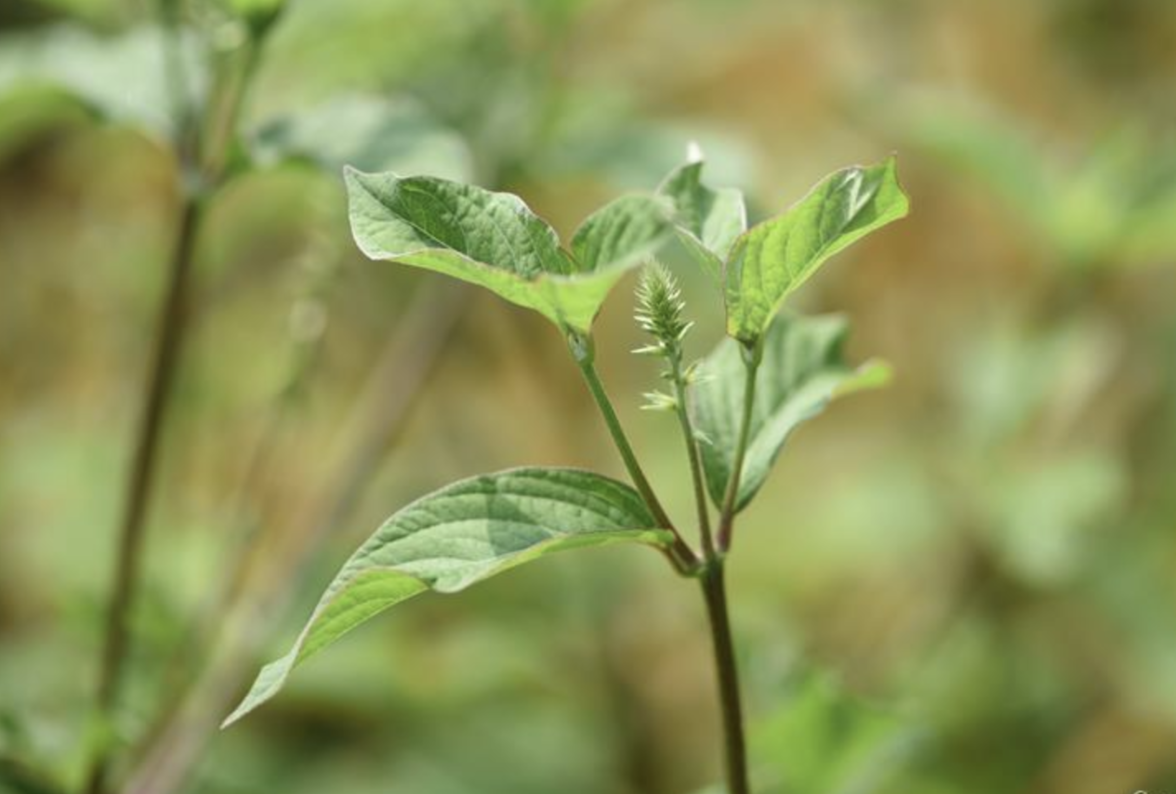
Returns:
(16,778)
(1115,202)
(824,741)
(121,78)
(495,241)
(801,371)
(29,111)
(774,258)
(460,535)
(1043,513)
(708,221)
(367,132)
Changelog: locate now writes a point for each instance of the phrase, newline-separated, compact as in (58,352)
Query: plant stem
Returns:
(148,432)
(735,755)
(751,359)
(197,183)
(683,410)
(377,417)
(682,555)
(715,593)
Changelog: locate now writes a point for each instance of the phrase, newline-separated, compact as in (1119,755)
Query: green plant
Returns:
(736,408)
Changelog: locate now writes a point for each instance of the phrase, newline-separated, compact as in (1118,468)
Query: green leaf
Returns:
(120,78)
(708,221)
(621,234)
(772,259)
(371,133)
(823,739)
(495,241)
(459,535)
(800,372)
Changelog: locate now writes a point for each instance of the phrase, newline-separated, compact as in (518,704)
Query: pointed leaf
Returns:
(459,535)
(495,241)
(801,371)
(774,258)
(708,221)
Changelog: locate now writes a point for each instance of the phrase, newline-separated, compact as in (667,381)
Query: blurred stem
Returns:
(377,417)
(232,96)
(147,437)
(727,673)
(682,408)
(197,183)
(751,360)
(681,555)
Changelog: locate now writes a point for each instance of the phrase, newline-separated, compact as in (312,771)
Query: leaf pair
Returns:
(759,268)
(494,240)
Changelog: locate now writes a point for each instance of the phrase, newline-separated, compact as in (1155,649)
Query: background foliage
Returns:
(961,583)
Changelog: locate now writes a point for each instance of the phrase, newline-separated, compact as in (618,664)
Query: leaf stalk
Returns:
(752,353)
(683,557)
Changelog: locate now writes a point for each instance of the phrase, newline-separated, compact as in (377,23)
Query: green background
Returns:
(965,582)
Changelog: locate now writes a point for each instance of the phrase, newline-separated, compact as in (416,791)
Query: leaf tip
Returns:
(904,198)
(269,681)
(876,373)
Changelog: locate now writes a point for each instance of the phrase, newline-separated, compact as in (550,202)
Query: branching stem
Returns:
(682,409)
(751,360)
(715,593)
(683,557)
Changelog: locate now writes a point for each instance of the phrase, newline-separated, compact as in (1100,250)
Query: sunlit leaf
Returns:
(460,535)
(801,371)
(494,240)
(621,234)
(774,258)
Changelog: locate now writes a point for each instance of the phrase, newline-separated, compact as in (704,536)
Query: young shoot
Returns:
(772,373)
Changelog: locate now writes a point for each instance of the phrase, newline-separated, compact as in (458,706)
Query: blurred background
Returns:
(963,583)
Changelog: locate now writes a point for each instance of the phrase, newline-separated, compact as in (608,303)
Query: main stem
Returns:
(714,591)
(711,577)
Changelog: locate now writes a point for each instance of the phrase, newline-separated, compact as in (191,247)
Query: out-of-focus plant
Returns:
(1095,207)
(184,84)
(736,408)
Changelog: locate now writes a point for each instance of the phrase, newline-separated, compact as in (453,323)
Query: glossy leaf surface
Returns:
(772,259)
(495,241)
